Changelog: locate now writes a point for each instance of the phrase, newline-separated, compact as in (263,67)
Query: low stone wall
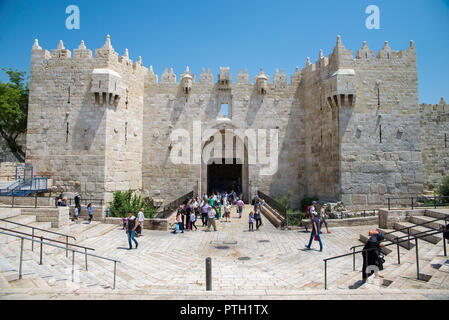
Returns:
(97,212)
(149,224)
(58,216)
(28,201)
(387,218)
(350,222)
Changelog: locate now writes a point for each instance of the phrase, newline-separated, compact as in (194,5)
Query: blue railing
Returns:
(25,183)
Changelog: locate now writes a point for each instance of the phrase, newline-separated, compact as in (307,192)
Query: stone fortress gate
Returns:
(347,128)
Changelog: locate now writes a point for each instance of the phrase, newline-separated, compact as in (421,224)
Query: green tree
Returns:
(14,110)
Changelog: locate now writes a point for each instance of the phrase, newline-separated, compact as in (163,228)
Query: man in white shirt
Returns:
(141,219)
(211,219)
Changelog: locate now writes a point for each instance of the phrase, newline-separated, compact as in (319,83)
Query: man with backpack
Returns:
(315,234)
(309,213)
(131,229)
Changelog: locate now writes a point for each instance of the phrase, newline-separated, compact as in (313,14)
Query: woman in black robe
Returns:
(372,257)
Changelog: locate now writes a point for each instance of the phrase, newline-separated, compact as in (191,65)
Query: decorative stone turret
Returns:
(186,82)
(262,82)
(365,52)
(224,78)
(243,78)
(82,51)
(106,87)
(280,80)
(206,77)
(340,86)
(60,51)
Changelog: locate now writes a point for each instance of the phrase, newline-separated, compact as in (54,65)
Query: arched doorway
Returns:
(224,164)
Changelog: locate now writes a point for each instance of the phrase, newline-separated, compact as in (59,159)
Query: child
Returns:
(76,215)
(124,222)
(251,221)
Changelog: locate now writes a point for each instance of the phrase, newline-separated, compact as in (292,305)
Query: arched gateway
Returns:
(224,163)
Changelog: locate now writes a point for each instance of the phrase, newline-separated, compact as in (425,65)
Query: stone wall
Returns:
(435,143)
(348,126)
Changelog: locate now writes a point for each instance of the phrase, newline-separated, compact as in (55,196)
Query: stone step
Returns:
(437,214)
(419,229)
(364,239)
(391,235)
(436,225)
(17,219)
(6,213)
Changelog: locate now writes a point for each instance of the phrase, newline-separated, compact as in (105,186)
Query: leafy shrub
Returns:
(285,200)
(125,201)
(444,188)
(305,202)
(295,218)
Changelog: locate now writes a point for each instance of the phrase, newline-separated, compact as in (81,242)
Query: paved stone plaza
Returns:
(168,266)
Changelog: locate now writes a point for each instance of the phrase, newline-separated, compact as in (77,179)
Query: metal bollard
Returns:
(208,274)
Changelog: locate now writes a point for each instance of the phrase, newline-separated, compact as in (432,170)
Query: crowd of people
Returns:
(210,209)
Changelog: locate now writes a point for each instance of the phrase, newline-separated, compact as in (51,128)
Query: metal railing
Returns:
(274,204)
(43,230)
(419,202)
(172,206)
(416,237)
(22,238)
(48,239)
(408,230)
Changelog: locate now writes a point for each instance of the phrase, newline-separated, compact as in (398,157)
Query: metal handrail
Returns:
(275,205)
(48,231)
(35,228)
(434,198)
(442,230)
(56,246)
(407,228)
(172,206)
(48,239)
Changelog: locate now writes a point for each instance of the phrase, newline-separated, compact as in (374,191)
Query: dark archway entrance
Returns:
(224,177)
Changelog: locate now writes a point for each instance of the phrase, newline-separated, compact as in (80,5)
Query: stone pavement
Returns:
(265,264)
(241,260)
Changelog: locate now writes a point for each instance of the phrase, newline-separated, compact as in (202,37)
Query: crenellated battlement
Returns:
(340,58)
(441,107)
(105,55)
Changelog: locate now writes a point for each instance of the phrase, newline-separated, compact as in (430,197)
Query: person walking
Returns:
(204,212)
(89,211)
(193,220)
(371,255)
(323,219)
(130,230)
(78,203)
(141,219)
(251,221)
(240,205)
(211,219)
(178,223)
(315,234)
(227,211)
(124,220)
(76,215)
(258,217)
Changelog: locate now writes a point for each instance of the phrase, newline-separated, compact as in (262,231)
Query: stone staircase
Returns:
(434,266)
(56,270)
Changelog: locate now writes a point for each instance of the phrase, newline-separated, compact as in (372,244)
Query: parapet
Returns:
(105,55)
(441,107)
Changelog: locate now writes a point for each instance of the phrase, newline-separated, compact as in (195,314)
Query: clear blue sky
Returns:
(239,34)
